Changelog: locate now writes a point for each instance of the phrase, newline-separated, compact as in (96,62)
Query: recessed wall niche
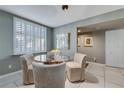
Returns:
(97,49)
(85,39)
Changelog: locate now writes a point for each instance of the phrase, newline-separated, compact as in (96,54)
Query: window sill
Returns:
(43,52)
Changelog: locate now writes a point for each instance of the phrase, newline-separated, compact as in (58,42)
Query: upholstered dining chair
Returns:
(76,69)
(26,65)
(49,76)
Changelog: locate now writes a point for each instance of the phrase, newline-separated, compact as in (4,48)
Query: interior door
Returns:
(115,48)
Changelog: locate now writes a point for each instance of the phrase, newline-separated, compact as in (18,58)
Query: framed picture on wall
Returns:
(88,41)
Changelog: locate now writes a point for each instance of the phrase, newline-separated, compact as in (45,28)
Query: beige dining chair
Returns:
(26,65)
(49,76)
(76,69)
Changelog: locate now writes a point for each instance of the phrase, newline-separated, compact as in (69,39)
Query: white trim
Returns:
(9,74)
(30,53)
(14,30)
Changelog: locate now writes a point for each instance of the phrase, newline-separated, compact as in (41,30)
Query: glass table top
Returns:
(43,57)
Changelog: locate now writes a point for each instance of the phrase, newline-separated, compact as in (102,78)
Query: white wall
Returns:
(115,48)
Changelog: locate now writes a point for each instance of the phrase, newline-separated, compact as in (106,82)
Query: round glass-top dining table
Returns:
(43,57)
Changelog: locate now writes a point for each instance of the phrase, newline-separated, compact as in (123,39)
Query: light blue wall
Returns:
(6,44)
(72,27)
(67,29)
(5,34)
(49,39)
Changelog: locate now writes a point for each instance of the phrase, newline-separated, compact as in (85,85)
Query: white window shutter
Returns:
(28,37)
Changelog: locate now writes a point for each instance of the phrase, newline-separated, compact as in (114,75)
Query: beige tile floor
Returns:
(97,76)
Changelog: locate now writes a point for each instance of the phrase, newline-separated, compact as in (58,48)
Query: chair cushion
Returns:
(73,64)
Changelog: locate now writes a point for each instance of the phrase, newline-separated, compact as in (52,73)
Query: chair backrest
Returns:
(49,76)
(28,58)
(79,57)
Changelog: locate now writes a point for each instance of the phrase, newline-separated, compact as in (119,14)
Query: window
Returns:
(28,37)
(63,41)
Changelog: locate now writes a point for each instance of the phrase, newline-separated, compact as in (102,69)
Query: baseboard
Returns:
(9,74)
(114,66)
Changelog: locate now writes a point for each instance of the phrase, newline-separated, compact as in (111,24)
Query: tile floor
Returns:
(97,76)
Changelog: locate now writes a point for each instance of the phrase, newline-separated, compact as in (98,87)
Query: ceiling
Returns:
(54,16)
(103,26)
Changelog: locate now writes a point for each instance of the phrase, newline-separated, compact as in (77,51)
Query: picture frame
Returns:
(69,39)
(88,41)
